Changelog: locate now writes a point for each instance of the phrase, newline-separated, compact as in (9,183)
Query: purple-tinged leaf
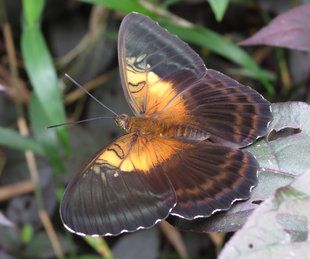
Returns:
(279,228)
(4,221)
(290,29)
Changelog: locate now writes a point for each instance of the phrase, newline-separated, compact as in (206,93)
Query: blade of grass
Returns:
(166,3)
(11,138)
(221,46)
(219,8)
(42,75)
(33,11)
(100,245)
(47,137)
(23,129)
(125,6)
(249,74)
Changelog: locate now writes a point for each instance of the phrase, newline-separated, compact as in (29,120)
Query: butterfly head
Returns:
(122,121)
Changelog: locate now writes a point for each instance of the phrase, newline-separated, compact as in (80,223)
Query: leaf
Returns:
(100,245)
(88,256)
(43,78)
(290,29)
(10,239)
(33,10)
(27,233)
(11,138)
(167,3)
(191,33)
(243,72)
(278,228)
(46,137)
(127,6)
(5,222)
(40,246)
(219,45)
(219,8)
(282,155)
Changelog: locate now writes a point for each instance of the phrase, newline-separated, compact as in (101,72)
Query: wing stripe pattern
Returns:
(234,114)
(153,51)
(207,177)
(103,199)
(93,198)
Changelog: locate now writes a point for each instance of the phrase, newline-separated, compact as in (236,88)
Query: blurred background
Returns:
(41,40)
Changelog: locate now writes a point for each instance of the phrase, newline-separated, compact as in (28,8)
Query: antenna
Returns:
(93,97)
(76,122)
(91,119)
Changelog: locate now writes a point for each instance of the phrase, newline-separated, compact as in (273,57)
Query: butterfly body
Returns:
(156,127)
(180,155)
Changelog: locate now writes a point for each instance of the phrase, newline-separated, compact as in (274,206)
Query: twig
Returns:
(218,240)
(175,238)
(15,189)
(23,129)
(99,244)
(78,93)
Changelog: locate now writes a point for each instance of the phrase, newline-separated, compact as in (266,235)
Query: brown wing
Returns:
(206,177)
(233,114)
(164,78)
(138,180)
(153,63)
(122,189)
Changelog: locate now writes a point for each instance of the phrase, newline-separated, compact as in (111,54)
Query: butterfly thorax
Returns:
(155,127)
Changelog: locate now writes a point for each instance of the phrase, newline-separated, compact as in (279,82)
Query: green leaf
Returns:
(43,77)
(11,138)
(89,257)
(47,137)
(60,193)
(100,245)
(219,8)
(283,154)
(270,76)
(32,10)
(10,239)
(126,6)
(40,246)
(278,228)
(27,233)
(220,45)
(166,3)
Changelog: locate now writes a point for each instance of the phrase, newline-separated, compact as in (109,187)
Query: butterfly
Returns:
(181,152)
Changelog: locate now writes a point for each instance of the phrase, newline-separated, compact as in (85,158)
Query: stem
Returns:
(24,131)
(100,245)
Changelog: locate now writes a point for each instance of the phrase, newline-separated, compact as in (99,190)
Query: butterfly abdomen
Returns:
(150,126)
(185,131)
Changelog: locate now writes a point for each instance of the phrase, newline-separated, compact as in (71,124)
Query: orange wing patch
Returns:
(150,94)
(120,190)
(133,152)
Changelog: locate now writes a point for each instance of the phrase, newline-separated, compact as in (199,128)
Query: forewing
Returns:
(122,189)
(154,65)
(164,78)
